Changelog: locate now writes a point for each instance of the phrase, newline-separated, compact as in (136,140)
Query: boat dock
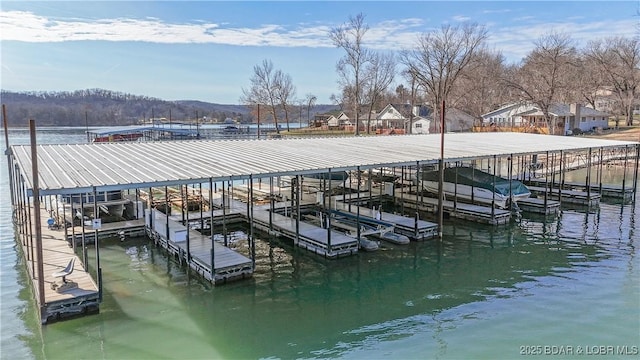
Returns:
(197,250)
(172,167)
(538,206)
(122,229)
(459,210)
(567,196)
(327,243)
(414,229)
(83,297)
(605,190)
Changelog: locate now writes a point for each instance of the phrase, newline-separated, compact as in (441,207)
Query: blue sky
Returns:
(206,50)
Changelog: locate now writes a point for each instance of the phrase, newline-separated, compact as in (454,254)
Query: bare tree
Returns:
(545,75)
(338,100)
(310,101)
(378,75)
(439,58)
(263,90)
(618,59)
(285,91)
(350,68)
(480,89)
(588,82)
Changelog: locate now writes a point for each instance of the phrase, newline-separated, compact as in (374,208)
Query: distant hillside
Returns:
(99,107)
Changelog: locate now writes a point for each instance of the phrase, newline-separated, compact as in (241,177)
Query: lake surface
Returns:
(568,284)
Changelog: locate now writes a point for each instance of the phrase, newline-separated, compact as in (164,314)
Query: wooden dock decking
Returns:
(567,196)
(476,213)
(310,237)
(228,265)
(127,228)
(537,205)
(605,190)
(422,230)
(56,254)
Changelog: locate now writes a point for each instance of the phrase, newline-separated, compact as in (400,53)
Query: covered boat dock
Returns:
(93,168)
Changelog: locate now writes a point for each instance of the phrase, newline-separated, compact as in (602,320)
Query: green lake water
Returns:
(538,285)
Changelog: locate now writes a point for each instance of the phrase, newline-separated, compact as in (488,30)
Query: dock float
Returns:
(82,298)
(537,206)
(309,237)
(475,213)
(228,265)
(403,225)
(605,190)
(122,229)
(567,196)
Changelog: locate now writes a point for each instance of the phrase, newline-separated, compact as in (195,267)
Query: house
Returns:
(528,117)
(401,118)
(419,119)
(411,119)
(456,120)
(420,125)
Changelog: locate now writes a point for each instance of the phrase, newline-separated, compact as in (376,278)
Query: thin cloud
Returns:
(516,42)
(461,18)
(513,41)
(28,27)
(500,11)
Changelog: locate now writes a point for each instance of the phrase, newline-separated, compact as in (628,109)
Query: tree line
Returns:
(453,65)
(100,107)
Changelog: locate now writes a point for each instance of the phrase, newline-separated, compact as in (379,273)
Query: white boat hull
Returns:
(464,192)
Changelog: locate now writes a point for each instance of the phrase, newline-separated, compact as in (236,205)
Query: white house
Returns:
(420,125)
(528,117)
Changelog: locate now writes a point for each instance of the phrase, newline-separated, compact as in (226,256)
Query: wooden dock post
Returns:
(252,239)
(635,173)
(95,243)
(493,196)
(213,262)
(36,215)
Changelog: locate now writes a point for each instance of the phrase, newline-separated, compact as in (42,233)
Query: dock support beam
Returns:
(96,215)
(624,173)
(588,179)
(213,263)
(329,212)
(298,193)
(251,224)
(36,215)
(185,215)
(493,198)
(635,173)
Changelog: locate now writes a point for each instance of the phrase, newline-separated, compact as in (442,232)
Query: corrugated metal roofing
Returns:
(79,167)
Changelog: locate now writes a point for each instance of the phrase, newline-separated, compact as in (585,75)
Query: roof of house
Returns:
(558,109)
(564,110)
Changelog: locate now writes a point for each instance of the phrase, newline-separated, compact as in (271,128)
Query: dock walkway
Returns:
(228,265)
(605,190)
(420,230)
(310,237)
(56,253)
(567,196)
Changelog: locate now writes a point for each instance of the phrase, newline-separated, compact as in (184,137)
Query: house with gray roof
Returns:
(528,117)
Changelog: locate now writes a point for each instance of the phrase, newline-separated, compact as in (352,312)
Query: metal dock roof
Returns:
(79,167)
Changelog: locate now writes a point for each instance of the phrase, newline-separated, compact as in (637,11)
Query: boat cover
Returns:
(477,178)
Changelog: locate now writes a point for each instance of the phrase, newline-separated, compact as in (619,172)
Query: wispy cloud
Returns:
(499,11)
(513,41)
(28,27)
(461,18)
(516,41)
